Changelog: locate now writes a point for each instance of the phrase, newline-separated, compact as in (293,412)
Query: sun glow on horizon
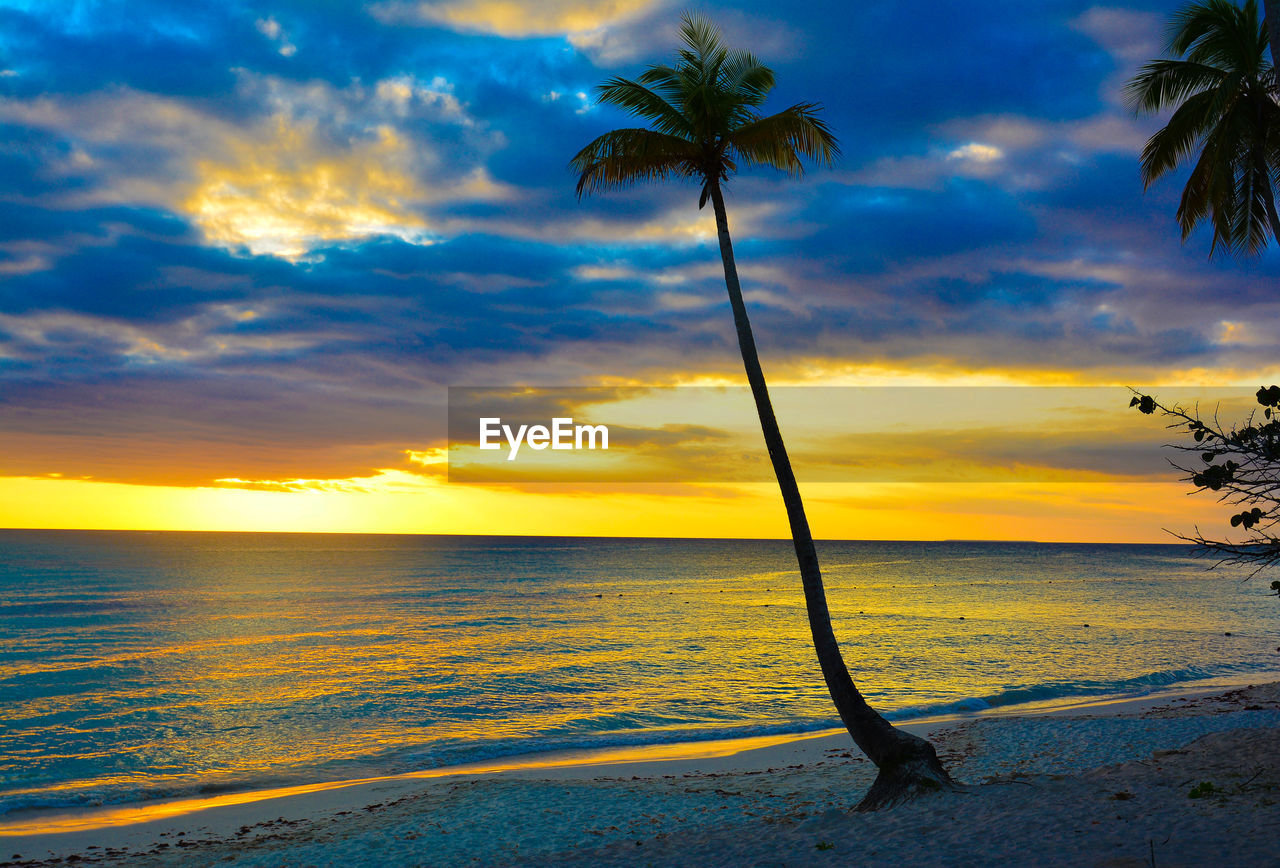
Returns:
(981,477)
(1052,512)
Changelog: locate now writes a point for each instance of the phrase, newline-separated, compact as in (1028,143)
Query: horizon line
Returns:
(572,536)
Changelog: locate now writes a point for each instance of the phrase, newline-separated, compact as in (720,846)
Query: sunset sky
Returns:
(246,247)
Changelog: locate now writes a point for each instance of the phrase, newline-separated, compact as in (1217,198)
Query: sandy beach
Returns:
(1171,780)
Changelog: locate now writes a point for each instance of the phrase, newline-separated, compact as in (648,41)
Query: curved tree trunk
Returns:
(907,764)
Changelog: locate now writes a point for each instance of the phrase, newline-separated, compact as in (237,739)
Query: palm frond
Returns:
(1162,83)
(747,77)
(640,100)
(1251,226)
(1218,33)
(1175,141)
(621,158)
(779,140)
(1211,193)
(671,83)
(705,47)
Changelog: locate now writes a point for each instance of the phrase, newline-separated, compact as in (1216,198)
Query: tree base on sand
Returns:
(913,771)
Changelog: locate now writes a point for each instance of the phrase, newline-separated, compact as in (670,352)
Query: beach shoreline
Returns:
(564,800)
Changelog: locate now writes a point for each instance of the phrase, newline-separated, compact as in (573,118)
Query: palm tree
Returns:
(704,125)
(1221,82)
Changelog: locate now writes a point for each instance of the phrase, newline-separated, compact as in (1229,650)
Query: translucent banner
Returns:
(833,434)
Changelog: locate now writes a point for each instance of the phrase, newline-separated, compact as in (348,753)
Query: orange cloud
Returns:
(517,18)
(284,196)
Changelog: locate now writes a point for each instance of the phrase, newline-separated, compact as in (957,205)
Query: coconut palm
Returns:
(1221,81)
(704,125)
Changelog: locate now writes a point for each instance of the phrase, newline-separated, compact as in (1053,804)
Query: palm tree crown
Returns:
(704,121)
(1221,81)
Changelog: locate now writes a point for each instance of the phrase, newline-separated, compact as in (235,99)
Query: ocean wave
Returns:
(448,755)
(1032,694)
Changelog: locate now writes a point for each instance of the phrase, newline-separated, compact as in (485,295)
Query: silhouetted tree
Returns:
(704,124)
(1221,85)
(1241,464)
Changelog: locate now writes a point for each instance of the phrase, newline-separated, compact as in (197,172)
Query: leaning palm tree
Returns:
(705,123)
(1222,82)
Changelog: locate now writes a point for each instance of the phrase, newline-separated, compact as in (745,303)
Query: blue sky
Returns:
(258,240)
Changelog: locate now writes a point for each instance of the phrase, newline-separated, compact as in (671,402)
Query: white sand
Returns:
(1045,789)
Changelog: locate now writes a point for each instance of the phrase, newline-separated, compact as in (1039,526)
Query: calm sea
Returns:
(145,665)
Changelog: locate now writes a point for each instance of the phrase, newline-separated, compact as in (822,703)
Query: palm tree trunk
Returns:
(1272,11)
(907,764)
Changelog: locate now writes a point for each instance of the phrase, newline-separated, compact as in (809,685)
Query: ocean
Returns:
(139,666)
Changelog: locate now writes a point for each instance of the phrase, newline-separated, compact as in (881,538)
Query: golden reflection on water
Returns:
(231,666)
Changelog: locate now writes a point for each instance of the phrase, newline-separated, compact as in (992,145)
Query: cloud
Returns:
(514,18)
(319,165)
(976,152)
(211,333)
(679,225)
(271,29)
(1014,152)
(1109,131)
(1130,37)
(407,95)
(283,195)
(1128,34)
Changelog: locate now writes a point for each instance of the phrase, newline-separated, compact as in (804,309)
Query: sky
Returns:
(247,247)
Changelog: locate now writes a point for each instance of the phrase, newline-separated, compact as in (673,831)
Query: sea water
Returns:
(138,665)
